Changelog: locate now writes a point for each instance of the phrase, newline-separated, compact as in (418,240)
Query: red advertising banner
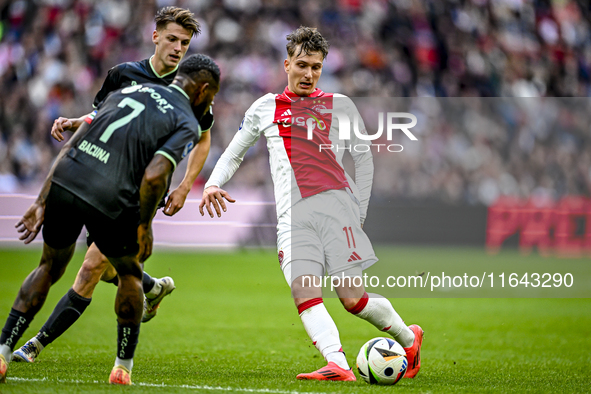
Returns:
(561,228)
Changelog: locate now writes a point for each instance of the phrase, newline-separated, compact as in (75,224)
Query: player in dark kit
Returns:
(110,177)
(174,29)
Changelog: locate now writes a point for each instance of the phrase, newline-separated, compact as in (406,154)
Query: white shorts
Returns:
(322,235)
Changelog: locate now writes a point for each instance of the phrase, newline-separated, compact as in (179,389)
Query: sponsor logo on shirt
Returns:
(163,105)
(280,256)
(310,120)
(188,149)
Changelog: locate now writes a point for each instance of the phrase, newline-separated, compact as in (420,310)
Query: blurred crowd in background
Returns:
(55,54)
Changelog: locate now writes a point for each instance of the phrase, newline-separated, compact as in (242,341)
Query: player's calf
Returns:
(378,311)
(64,315)
(95,265)
(15,326)
(35,287)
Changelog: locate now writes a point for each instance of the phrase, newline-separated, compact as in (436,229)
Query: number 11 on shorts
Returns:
(348,230)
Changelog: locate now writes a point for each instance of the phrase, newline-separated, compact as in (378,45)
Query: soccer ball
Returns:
(382,361)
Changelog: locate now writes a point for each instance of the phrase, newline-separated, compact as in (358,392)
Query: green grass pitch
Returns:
(231,326)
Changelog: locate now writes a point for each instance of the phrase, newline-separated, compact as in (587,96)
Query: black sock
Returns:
(15,326)
(147,283)
(127,338)
(65,313)
(114,281)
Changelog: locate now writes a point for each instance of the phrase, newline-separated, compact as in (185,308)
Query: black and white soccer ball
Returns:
(382,361)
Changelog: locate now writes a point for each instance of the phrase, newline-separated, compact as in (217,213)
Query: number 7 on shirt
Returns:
(137,109)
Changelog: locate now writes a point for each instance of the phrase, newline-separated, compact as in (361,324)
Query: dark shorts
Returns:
(90,239)
(66,214)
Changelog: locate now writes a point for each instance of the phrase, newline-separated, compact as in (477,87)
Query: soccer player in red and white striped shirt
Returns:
(320,210)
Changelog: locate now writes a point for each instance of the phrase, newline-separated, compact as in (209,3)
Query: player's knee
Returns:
(53,263)
(109,275)
(33,292)
(91,270)
(127,266)
(52,271)
(349,303)
(306,286)
(131,269)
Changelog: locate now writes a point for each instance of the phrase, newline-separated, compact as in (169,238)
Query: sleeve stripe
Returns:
(90,117)
(169,157)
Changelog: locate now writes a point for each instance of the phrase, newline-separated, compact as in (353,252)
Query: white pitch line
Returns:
(218,388)
(171,386)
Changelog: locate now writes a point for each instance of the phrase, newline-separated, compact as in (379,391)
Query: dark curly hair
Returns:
(310,41)
(200,65)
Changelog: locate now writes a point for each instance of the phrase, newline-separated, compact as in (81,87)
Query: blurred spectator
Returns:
(54,55)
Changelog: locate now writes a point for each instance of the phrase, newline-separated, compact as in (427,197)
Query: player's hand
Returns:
(214,195)
(59,126)
(146,240)
(31,222)
(175,201)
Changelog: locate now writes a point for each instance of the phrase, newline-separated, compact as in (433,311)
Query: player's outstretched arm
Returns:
(247,135)
(152,189)
(197,158)
(364,169)
(31,222)
(62,124)
(213,195)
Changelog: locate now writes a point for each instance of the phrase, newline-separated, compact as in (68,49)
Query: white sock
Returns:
(323,333)
(381,314)
(156,289)
(6,352)
(126,362)
(339,359)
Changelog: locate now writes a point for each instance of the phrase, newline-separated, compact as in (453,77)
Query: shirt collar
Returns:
(177,87)
(163,75)
(316,93)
